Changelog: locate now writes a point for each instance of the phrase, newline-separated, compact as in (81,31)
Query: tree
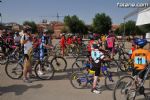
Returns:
(32,25)
(130,28)
(145,28)
(102,23)
(74,24)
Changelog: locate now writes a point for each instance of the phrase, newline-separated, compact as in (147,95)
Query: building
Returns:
(13,26)
(54,25)
(114,27)
(57,28)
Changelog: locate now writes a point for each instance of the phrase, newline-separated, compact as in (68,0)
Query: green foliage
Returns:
(130,28)
(74,24)
(32,25)
(50,31)
(102,23)
(145,28)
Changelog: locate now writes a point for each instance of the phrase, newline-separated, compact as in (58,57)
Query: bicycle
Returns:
(81,79)
(59,62)
(81,60)
(15,70)
(128,86)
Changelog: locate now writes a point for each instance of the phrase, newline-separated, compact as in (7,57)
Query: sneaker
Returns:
(40,72)
(32,76)
(94,90)
(27,81)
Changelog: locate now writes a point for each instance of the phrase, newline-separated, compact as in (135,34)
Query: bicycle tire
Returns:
(81,80)
(57,65)
(76,66)
(48,71)
(118,86)
(3,59)
(19,69)
(110,83)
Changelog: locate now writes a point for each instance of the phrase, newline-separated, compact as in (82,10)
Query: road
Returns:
(59,88)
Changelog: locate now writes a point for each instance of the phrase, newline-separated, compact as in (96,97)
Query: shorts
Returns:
(96,67)
(141,75)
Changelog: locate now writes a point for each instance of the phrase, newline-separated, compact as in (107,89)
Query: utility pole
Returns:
(1,14)
(58,16)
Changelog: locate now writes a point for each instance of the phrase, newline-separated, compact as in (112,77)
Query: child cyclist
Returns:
(97,57)
(141,58)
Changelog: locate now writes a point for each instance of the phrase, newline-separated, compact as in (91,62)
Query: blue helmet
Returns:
(140,42)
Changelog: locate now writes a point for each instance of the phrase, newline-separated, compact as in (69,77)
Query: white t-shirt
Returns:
(27,45)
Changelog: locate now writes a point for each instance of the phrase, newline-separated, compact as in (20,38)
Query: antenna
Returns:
(57,16)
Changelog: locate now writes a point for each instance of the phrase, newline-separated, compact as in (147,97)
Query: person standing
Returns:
(26,42)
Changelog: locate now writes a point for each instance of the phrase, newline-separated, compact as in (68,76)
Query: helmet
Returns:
(140,42)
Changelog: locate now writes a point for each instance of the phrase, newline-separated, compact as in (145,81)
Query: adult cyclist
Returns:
(43,48)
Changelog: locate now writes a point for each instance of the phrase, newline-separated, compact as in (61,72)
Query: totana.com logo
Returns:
(132,5)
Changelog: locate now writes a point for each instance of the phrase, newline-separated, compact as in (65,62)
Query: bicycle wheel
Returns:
(14,70)
(79,80)
(111,80)
(122,86)
(59,63)
(112,66)
(3,59)
(77,65)
(47,70)
(124,64)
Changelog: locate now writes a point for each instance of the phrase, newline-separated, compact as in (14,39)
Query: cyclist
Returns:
(17,39)
(63,43)
(43,48)
(26,42)
(89,46)
(140,56)
(110,41)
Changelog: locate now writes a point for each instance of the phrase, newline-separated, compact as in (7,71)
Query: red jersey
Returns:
(69,41)
(90,45)
(62,41)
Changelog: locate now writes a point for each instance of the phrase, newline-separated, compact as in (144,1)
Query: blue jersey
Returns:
(42,48)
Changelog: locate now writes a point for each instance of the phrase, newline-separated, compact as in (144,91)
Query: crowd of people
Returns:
(28,42)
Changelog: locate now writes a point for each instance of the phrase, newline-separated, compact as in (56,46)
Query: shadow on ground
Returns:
(18,89)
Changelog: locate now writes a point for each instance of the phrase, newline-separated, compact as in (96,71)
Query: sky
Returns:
(36,10)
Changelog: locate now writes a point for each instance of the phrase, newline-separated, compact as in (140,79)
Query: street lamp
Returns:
(1,18)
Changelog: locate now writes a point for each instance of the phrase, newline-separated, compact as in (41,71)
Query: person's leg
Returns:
(97,73)
(62,50)
(26,69)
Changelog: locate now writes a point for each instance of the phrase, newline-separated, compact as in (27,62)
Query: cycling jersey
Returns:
(89,47)
(62,41)
(27,45)
(43,50)
(140,57)
(69,41)
(110,41)
(97,55)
